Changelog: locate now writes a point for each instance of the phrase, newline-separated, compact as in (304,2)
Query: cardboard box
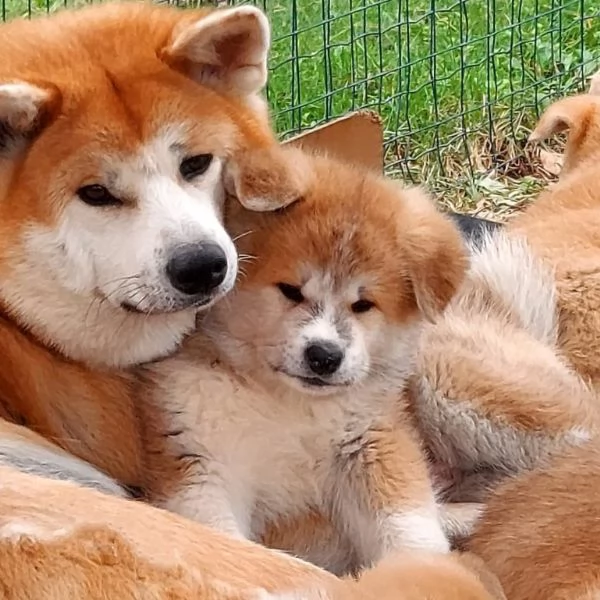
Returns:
(356,138)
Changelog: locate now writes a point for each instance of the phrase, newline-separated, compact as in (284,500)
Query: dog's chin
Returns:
(147,309)
(314,386)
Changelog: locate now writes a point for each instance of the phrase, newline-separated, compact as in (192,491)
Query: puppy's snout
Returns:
(197,268)
(323,358)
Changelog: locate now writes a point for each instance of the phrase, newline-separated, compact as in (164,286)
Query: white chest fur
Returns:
(257,453)
(271,452)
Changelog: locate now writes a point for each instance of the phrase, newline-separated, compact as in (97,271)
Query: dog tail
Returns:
(506,280)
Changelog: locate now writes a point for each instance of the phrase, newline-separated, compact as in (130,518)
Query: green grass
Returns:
(459,84)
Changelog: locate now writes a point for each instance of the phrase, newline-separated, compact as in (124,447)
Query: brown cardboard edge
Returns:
(355,138)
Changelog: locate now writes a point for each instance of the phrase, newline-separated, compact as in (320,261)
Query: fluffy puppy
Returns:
(539,531)
(502,377)
(562,226)
(286,402)
(491,393)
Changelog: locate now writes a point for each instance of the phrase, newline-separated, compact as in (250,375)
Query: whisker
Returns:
(241,235)
(122,279)
(89,308)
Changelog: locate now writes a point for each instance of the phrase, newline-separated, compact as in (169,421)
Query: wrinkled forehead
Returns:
(331,283)
(328,262)
(120,117)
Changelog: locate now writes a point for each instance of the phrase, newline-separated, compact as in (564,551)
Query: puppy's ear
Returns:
(435,252)
(580,116)
(226,49)
(22,107)
(268,179)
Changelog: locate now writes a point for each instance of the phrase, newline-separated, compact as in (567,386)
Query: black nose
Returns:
(197,268)
(323,358)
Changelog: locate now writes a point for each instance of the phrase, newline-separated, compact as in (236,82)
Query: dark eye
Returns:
(362,306)
(195,165)
(97,195)
(291,292)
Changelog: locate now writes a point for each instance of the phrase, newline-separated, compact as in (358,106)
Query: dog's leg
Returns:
(386,502)
(210,503)
(490,400)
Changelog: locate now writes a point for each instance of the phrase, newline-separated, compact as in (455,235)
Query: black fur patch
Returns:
(8,137)
(136,492)
(473,228)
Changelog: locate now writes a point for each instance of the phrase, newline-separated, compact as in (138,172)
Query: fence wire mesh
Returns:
(458,83)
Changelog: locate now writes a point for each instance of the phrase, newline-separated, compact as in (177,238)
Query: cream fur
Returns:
(260,450)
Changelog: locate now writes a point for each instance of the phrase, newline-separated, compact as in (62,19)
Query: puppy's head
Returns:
(333,286)
(111,152)
(579,116)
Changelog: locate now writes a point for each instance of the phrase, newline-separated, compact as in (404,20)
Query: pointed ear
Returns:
(435,253)
(22,106)
(268,179)
(226,49)
(580,116)
(566,114)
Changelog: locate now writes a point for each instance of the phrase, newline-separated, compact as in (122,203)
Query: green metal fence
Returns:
(458,82)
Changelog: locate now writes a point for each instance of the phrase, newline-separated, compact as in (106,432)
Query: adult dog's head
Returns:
(115,124)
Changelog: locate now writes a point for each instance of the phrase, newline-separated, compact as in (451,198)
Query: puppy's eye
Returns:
(362,306)
(97,195)
(195,165)
(291,292)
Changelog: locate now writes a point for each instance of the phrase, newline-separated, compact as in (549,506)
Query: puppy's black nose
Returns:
(323,358)
(197,268)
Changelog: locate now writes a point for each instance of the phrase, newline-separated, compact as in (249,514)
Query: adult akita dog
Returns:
(116,124)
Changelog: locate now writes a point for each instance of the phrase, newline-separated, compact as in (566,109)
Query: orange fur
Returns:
(38,389)
(492,400)
(402,244)
(121,42)
(562,227)
(419,576)
(501,381)
(104,90)
(58,541)
(539,533)
(579,116)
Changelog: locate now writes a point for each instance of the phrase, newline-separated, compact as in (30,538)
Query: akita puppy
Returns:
(286,400)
